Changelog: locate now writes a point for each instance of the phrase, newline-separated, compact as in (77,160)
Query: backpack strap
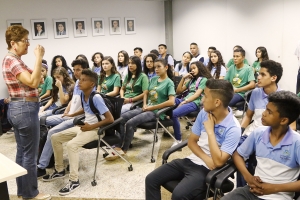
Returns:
(179,66)
(197,82)
(91,103)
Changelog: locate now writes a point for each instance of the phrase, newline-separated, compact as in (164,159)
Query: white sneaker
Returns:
(176,142)
(238,113)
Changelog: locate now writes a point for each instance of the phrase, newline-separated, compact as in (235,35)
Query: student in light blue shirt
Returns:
(277,150)
(213,140)
(216,65)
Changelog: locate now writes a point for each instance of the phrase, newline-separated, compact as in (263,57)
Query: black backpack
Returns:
(166,58)
(5,125)
(187,67)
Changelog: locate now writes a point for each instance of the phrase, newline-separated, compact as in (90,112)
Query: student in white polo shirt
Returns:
(214,138)
(277,150)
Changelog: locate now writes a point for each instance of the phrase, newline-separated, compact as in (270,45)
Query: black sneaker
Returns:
(40,173)
(69,188)
(54,175)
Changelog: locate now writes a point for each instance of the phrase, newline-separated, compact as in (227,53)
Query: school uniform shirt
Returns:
(257,104)
(159,92)
(139,87)
(90,116)
(297,52)
(150,76)
(222,73)
(123,71)
(198,58)
(231,62)
(275,165)
(65,91)
(192,89)
(206,61)
(256,67)
(110,82)
(183,71)
(47,85)
(240,77)
(227,134)
(96,70)
(170,59)
(75,101)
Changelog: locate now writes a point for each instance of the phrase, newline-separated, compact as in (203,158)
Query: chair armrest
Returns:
(222,177)
(210,177)
(135,104)
(59,109)
(102,129)
(163,110)
(43,120)
(168,152)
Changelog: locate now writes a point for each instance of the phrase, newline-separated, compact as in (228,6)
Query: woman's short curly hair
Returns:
(15,33)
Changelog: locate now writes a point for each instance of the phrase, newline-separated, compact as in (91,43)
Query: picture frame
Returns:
(60,28)
(39,29)
(115,26)
(11,22)
(80,27)
(130,25)
(97,26)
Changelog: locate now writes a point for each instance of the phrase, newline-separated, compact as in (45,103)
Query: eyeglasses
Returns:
(26,41)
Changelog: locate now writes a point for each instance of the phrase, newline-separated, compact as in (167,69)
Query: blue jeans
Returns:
(179,112)
(132,119)
(235,99)
(23,116)
(192,180)
(60,125)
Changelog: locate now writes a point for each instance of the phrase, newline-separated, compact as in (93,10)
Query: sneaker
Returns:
(176,142)
(40,173)
(113,156)
(69,188)
(238,113)
(42,196)
(54,175)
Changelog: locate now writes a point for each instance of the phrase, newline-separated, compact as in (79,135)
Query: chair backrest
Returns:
(177,80)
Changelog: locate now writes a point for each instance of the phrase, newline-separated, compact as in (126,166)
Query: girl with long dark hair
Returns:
(216,65)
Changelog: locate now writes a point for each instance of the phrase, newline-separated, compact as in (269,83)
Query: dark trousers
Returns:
(191,186)
(235,99)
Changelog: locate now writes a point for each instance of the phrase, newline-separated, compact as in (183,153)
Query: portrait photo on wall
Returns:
(15,22)
(38,28)
(60,28)
(79,26)
(130,26)
(114,26)
(98,26)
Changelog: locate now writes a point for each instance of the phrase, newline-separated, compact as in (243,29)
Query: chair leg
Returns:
(154,140)
(166,130)
(94,182)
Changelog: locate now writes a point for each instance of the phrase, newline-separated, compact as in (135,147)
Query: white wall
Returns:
(226,23)
(149,16)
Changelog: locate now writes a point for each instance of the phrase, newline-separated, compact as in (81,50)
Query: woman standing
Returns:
(22,84)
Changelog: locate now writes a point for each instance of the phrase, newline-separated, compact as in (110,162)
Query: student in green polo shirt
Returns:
(160,94)
(262,55)
(109,81)
(241,77)
(231,62)
(194,82)
(135,84)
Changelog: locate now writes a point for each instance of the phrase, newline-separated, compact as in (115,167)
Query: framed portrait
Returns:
(130,26)
(38,28)
(79,27)
(15,22)
(60,28)
(114,26)
(97,26)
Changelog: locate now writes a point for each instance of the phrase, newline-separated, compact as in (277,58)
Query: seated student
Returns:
(195,83)
(123,59)
(183,68)
(215,136)
(194,49)
(46,87)
(231,62)
(262,54)
(109,80)
(79,135)
(58,62)
(162,49)
(241,77)
(149,65)
(135,84)
(160,94)
(138,51)
(63,121)
(97,60)
(62,91)
(277,150)
(216,65)
(206,59)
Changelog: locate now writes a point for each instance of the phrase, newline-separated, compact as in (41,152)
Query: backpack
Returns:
(107,102)
(5,125)
(187,67)
(167,56)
